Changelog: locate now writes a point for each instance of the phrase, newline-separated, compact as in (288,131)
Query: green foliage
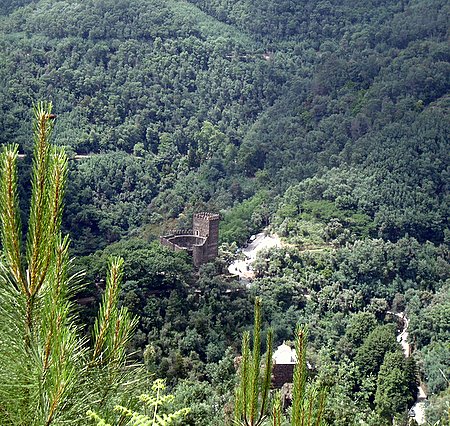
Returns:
(396,386)
(438,411)
(436,364)
(252,393)
(370,355)
(151,87)
(108,197)
(204,399)
(430,323)
(240,222)
(359,326)
(206,103)
(152,404)
(148,266)
(186,322)
(48,373)
(339,108)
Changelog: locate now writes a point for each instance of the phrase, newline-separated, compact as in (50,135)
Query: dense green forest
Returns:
(325,121)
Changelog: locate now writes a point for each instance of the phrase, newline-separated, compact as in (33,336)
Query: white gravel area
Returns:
(261,241)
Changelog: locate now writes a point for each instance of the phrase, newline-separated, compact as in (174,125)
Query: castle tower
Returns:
(207,225)
(202,242)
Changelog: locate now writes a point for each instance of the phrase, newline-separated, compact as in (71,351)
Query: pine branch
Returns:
(11,234)
(308,402)
(123,333)
(267,375)
(241,393)
(38,226)
(312,398)
(277,410)
(113,328)
(56,297)
(64,352)
(252,394)
(106,317)
(256,361)
(47,377)
(56,187)
(299,384)
(321,407)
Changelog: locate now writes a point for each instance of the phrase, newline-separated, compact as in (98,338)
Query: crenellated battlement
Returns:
(179,232)
(207,216)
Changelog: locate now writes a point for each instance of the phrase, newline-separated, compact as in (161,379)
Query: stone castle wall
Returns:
(207,225)
(202,241)
(182,242)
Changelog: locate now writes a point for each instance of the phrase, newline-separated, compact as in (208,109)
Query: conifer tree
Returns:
(308,402)
(253,391)
(48,373)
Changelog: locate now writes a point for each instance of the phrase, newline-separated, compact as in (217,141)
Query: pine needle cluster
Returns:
(252,393)
(152,416)
(308,399)
(254,405)
(48,373)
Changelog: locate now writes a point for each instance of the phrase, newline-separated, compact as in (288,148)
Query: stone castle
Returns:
(202,241)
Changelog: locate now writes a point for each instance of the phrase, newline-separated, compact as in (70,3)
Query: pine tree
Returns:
(252,393)
(252,399)
(48,373)
(308,402)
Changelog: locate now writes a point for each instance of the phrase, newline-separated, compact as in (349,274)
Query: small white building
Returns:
(284,355)
(284,360)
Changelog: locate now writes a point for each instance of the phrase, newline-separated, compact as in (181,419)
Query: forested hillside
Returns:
(327,121)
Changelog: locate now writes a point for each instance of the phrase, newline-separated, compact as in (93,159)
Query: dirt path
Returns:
(402,338)
(243,268)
